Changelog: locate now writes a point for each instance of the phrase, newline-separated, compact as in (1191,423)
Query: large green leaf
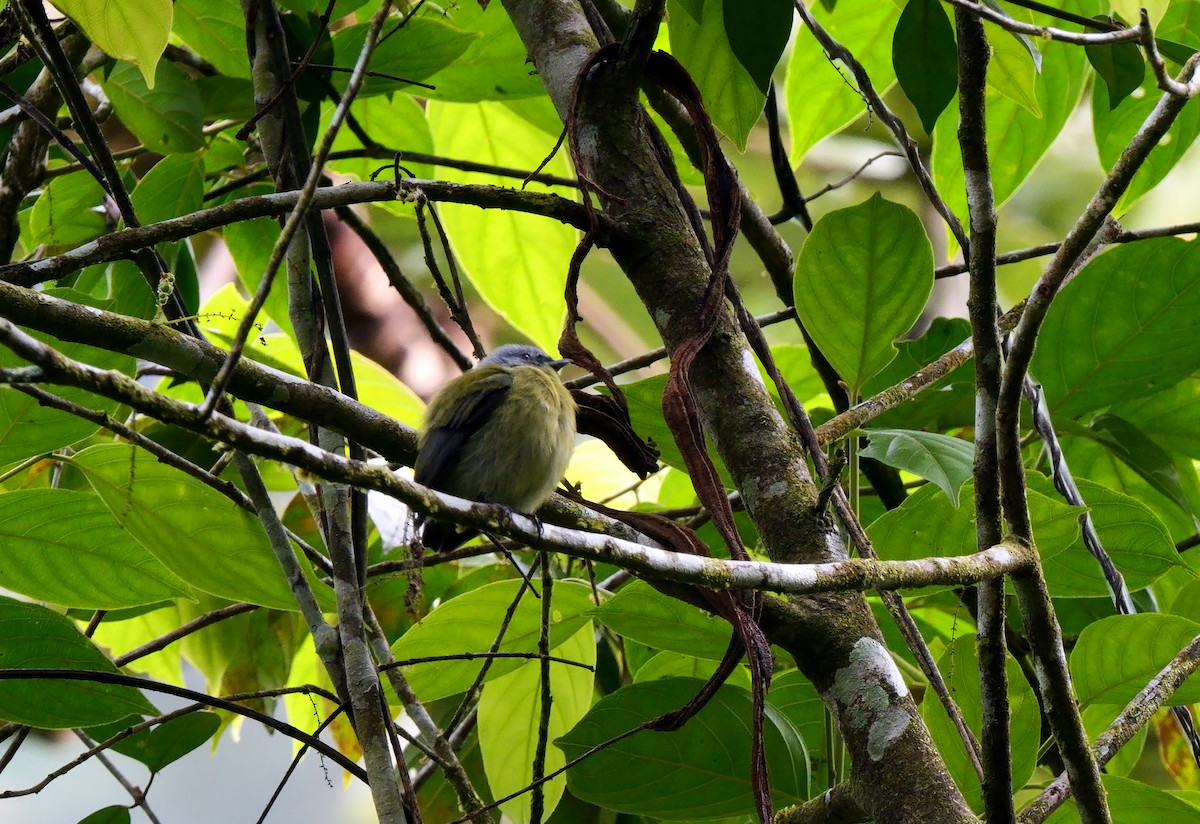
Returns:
(65,547)
(937,458)
(1013,69)
(697,772)
(927,525)
(1134,802)
(469,624)
(397,124)
(862,279)
(33,637)
(1116,125)
(1131,532)
(27,429)
(925,58)
(947,404)
(960,665)
(644,614)
(172,188)
(191,528)
(518,262)
(137,33)
(68,212)
(1117,656)
(165,744)
(1168,417)
(1137,307)
(215,31)
(166,119)
(797,699)
(426,44)
(510,713)
(1017,139)
(819,101)
(495,65)
(1141,454)
(731,95)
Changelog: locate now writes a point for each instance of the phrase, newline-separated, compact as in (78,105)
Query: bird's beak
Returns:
(558,364)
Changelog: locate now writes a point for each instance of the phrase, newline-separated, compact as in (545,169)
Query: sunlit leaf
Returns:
(510,713)
(137,33)
(1138,306)
(862,279)
(518,262)
(731,94)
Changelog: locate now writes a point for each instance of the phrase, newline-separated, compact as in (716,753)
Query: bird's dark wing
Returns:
(444,442)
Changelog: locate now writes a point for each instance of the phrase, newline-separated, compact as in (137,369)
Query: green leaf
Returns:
(469,624)
(959,664)
(1131,533)
(68,212)
(758,32)
(937,458)
(1013,69)
(1117,656)
(166,743)
(644,614)
(518,262)
(381,390)
(172,188)
(1120,66)
(426,44)
(494,66)
(33,637)
(925,58)
(676,665)
(862,279)
(1024,136)
(109,815)
(948,403)
(136,33)
(699,771)
(65,547)
(1168,416)
(1099,717)
(731,95)
(27,429)
(797,699)
(927,525)
(1134,802)
(191,528)
(1141,454)
(215,31)
(245,653)
(1138,306)
(249,243)
(167,120)
(819,101)
(1116,125)
(1130,10)
(397,124)
(509,715)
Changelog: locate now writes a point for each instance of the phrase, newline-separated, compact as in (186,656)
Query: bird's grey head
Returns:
(519,354)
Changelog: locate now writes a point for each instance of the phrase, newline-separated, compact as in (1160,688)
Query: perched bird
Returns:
(501,432)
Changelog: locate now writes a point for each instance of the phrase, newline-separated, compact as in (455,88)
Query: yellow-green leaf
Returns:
(136,32)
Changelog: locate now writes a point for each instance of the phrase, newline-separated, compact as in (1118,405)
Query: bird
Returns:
(501,432)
